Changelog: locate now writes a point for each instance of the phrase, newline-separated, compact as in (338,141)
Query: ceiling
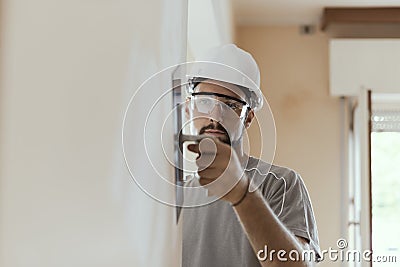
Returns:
(294,12)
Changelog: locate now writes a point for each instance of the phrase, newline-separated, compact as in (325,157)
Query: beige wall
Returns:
(294,79)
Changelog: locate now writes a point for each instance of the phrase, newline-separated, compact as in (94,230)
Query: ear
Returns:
(249,118)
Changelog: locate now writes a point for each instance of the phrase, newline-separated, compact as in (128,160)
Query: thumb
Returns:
(194,148)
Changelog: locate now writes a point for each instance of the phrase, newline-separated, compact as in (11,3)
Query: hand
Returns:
(220,169)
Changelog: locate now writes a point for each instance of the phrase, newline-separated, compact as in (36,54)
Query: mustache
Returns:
(212,126)
(217,126)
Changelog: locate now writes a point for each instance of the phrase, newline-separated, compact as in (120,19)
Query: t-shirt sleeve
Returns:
(289,199)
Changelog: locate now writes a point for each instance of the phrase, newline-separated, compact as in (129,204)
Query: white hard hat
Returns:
(228,63)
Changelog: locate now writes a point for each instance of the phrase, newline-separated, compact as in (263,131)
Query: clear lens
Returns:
(206,104)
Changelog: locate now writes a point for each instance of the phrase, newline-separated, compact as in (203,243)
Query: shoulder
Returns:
(271,174)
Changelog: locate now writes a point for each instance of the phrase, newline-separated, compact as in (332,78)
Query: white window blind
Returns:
(386,120)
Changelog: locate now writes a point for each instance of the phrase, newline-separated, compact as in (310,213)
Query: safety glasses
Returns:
(207,102)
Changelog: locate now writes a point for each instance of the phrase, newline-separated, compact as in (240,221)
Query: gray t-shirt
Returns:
(213,235)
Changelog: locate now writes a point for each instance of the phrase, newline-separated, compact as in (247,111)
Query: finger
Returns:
(210,173)
(205,145)
(205,161)
(194,148)
(205,181)
(208,146)
(222,147)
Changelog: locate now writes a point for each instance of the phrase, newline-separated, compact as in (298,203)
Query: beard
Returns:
(217,126)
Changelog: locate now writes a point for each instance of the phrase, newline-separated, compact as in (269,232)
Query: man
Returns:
(245,224)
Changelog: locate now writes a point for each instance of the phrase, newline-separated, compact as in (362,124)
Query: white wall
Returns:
(364,63)
(67,71)
(210,23)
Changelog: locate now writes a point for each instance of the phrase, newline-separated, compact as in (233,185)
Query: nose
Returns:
(216,113)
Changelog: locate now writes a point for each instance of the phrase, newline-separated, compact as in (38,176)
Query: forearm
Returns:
(263,228)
